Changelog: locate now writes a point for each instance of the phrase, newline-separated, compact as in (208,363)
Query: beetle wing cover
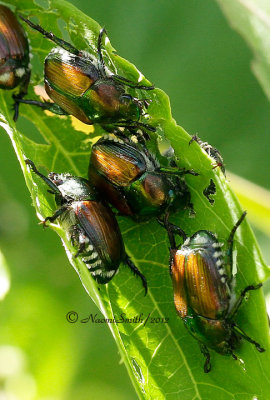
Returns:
(198,284)
(207,291)
(178,277)
(119,163)
(67,104)
(69,74)
(13,41)
(101,227)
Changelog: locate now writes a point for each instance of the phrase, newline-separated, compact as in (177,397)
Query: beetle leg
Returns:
(101,60)
(141,135)
(20,95)
(220,165)
(49,35)
(130,83)
(54,216)
(241,333)
(80,250)
(172,230)
(168,227)
(179,172)
(134,124)
(136,272)
(46,105)
(54,188)
(143,125)
(238,223)
(205,352)
(74,235)
(195,138)
(142,103)
(231,237)
(241,298)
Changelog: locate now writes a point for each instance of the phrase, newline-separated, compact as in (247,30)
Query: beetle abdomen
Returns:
(94,263)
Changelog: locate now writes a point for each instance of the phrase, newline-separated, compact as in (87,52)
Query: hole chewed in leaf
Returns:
(210,191)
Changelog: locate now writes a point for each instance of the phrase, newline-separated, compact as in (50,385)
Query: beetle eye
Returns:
(55,178)
(126,99)
(51,175)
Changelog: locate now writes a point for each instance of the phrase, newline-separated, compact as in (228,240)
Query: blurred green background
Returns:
(186,48)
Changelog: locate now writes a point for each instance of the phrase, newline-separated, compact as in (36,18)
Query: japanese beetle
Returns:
(14,56)
(81,85)
(90,224)
(202,283)
(211,151)
(132,180)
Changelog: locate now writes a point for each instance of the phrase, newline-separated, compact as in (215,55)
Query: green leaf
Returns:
(163,360)
(251,18)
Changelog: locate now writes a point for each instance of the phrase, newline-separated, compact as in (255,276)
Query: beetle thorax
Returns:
(72,187)
(202,239)
(107,95)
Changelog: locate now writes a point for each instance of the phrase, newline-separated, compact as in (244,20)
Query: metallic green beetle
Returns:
(202,283)
(132,180)
(80,85)
(90,224)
